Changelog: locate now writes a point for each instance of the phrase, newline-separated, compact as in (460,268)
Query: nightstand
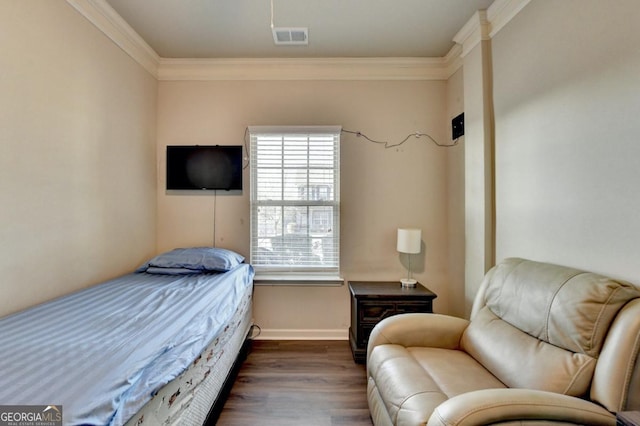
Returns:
(372,301)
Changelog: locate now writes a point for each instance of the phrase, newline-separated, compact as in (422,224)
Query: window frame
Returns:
(305,273)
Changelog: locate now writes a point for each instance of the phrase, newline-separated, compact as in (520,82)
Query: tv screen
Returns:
(204,167)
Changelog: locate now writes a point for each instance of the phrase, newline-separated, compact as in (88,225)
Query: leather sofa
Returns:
(545,344)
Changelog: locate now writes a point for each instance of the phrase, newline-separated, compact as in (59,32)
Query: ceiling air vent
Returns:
(290,36)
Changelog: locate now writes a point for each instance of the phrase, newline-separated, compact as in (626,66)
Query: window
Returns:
(295,199)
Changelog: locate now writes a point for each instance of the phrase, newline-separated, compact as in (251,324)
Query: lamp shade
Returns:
(409,240)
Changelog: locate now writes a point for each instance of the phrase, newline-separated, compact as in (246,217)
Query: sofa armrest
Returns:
(427,330)
(507,405)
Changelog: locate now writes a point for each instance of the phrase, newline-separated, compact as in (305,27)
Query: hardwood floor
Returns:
(302,383)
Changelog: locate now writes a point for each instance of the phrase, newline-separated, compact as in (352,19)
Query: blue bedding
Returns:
(102,352)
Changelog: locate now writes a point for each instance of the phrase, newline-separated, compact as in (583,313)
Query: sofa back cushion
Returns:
(542,326)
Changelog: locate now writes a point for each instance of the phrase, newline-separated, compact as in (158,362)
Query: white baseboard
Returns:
(302,334)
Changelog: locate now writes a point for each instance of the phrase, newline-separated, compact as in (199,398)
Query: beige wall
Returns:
(381,190)
(77,177)
(567,96)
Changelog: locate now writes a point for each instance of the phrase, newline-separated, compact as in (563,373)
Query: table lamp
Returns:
(409,241)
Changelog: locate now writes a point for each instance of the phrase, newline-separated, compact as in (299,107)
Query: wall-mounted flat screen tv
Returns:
(204,167)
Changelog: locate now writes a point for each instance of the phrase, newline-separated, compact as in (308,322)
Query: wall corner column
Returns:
(479,153)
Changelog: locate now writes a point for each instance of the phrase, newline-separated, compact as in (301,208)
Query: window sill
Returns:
(299,279)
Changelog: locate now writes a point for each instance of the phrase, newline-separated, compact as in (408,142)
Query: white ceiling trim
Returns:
(107,20)
(305,69)
(473,32)
(482,26)
(453,59)
(502,11)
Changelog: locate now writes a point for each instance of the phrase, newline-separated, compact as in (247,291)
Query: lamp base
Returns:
(408,282)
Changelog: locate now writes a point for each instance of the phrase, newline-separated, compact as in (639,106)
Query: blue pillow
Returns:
(203,259)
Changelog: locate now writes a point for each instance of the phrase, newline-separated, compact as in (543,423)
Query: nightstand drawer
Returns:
(373,312)
(414,307)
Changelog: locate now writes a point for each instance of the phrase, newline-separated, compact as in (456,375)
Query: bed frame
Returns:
(225,391)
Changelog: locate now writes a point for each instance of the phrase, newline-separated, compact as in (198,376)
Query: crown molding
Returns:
(502,11)
(473,32)
(453,59)
(485,24)
(107,20)
(305,69)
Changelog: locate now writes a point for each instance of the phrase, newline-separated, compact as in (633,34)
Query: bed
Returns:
(151,347)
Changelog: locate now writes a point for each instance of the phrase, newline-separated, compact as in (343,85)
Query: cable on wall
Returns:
(359,134)
(215,194)
(251,331)
(246,147)
(388,145)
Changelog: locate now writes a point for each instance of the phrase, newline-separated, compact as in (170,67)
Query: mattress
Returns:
(104,352)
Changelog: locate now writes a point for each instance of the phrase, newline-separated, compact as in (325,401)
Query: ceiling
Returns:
(337,28)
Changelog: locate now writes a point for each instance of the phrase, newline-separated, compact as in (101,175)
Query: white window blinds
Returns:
(295,199)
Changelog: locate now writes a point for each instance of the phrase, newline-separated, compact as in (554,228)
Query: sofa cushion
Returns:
(543,326)
(413,381)
(523,361)
(562,306)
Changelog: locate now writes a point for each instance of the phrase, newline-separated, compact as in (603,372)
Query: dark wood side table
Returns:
(628,418)
(372,301)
